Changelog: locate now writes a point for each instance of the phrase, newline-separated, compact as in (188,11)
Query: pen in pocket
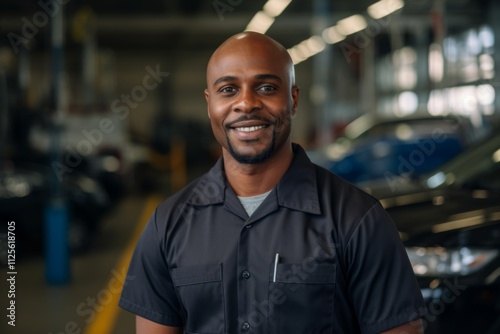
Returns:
(276,260)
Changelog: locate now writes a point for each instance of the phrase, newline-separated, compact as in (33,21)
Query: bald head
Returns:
(252,45)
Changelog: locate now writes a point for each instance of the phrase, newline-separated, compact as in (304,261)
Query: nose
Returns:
(247,101)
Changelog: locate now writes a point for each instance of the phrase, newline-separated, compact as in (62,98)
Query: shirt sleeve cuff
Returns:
(407,317)
(163,319)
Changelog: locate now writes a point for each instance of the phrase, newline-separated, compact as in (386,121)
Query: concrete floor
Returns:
(73,308)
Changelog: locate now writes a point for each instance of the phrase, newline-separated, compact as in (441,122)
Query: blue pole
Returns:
(57,267)
(57,262)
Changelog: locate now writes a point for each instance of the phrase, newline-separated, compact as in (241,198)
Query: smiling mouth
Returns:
(249,128)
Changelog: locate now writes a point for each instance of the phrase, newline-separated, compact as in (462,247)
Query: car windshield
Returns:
(413,129)
(479,166)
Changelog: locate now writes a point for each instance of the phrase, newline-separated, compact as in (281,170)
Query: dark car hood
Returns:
(447,217)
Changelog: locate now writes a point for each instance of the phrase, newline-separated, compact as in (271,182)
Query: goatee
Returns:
(248,158)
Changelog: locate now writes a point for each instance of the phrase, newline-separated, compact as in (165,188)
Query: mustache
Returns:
(250,118)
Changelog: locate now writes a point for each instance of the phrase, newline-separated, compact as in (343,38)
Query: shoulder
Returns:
(346,205)
(341,192)
(179,205)
(339,201)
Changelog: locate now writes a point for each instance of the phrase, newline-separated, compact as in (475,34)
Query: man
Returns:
(267,242)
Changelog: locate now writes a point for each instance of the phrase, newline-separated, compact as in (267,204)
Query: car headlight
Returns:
(439,261)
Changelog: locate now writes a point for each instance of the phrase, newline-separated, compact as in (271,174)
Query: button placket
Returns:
(244,284)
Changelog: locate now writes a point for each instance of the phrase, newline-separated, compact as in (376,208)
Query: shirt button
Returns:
(248,226)
(245,274)
(245,326)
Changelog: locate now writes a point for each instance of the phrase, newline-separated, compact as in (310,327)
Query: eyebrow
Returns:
(229,78)
(268,77)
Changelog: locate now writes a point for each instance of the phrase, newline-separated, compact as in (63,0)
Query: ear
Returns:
(295,99)
(207,98)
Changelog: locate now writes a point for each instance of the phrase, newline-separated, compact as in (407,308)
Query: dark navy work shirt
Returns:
(203,264)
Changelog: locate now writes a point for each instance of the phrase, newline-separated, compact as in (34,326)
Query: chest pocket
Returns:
(200,290)
(302,301)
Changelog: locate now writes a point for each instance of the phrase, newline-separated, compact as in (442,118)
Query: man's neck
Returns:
(255,179)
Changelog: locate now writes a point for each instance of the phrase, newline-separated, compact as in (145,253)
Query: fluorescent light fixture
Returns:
(261,22)
(407,103)
(299,53)
(351,24)
(332,36)
(293,54)
(485,94)
(274,8)
(302,50)
(264,19)
(436,62)
(315,44)
(384,7)
(296,56)
(496,156)
(307,48)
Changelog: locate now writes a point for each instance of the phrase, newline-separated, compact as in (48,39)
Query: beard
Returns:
(277,122)
(251,158)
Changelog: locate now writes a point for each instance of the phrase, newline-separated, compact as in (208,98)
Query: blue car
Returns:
(390,148)
(391,157)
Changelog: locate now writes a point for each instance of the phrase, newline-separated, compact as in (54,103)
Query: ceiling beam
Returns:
(231,23)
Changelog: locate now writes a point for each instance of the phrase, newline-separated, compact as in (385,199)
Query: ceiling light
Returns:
(496,156)
(384,7)
(299,53)
(261,22)
(296,55)
(315,44)
(307,48)
(274,8)
(264,19)
(351,24)
(331,35)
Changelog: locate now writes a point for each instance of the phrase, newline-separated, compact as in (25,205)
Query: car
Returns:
(25,192)
(449,222)
(372,148)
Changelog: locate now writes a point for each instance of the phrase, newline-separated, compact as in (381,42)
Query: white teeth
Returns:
(250,128)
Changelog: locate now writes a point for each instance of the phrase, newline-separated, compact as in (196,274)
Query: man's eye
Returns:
(227,90)
(267,88)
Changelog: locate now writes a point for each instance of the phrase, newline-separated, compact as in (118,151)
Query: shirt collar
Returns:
(297,189)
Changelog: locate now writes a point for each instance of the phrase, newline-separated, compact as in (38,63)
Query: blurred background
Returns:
(102,115)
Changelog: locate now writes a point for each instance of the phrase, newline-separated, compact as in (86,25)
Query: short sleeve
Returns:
(382,285)
(149,291)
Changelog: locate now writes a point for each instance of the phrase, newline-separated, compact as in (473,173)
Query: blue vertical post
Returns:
(57,262)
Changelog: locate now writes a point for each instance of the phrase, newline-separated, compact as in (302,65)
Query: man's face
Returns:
(250,100)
